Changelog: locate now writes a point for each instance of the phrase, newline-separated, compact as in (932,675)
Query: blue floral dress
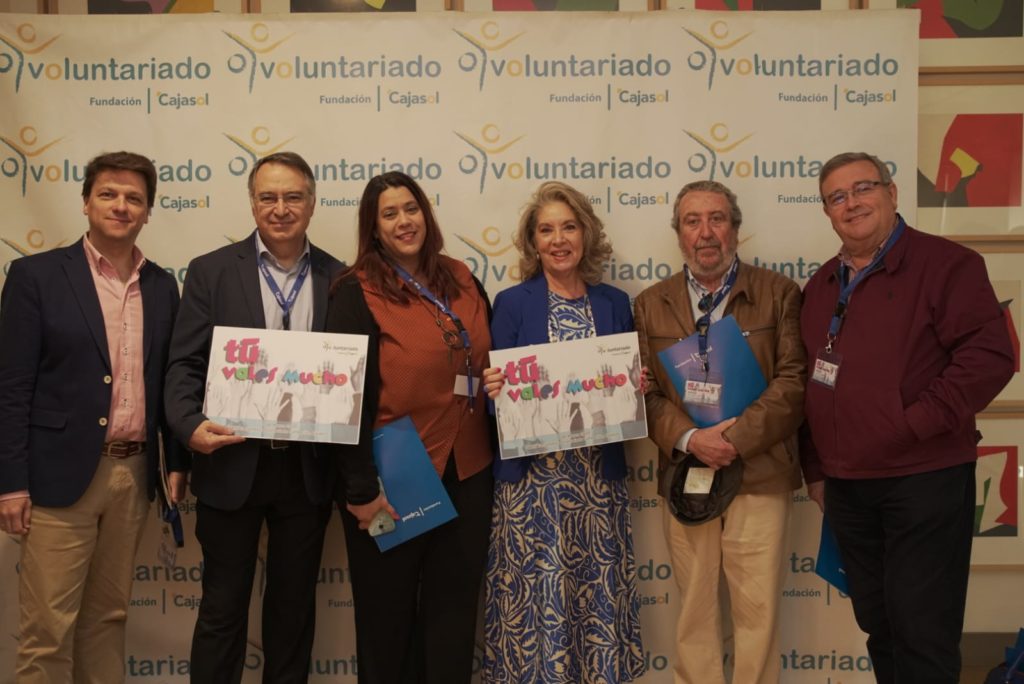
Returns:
(562,605)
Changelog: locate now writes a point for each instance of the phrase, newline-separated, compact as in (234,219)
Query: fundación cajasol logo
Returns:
(257,144)
(23,160)
(22,44)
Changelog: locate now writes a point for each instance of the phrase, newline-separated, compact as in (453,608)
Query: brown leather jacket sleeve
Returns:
(667,422)
(778,412)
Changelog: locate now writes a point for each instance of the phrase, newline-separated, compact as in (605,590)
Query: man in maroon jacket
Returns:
(906,343)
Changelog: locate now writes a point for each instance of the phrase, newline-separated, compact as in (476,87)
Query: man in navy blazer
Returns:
(273,279)
(84,336)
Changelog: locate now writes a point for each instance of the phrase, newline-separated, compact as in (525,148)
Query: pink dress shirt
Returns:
(122,317)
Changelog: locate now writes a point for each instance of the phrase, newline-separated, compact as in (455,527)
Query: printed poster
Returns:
(286,384)
(567,395)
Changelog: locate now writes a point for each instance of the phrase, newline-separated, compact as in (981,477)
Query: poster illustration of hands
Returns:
(286,384)
(567,395)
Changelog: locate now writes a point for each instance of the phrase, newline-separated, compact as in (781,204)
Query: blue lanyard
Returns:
(172,517)
(447,311)
(286,304)
(846,289)
(708,303)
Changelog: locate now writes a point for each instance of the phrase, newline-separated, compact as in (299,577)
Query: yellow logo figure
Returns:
(258,45)
(488,42)
(480,264)
(36,243)
(27,139)
(491,145)
(717,41)
(257,146)
(22,45)
(718,144)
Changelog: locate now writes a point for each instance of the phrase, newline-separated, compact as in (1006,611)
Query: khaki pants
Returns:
(748,544)
(77,565)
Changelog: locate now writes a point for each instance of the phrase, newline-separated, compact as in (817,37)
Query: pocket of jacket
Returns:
(47,418)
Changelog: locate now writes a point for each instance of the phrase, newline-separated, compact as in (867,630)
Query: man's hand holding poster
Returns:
(286,384)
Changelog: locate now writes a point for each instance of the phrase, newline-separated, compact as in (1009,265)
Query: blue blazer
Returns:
(521,318)
(55,382)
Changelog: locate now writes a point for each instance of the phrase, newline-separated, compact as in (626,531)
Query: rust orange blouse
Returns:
(418,372)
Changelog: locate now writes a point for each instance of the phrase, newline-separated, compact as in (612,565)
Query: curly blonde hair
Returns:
(596,248)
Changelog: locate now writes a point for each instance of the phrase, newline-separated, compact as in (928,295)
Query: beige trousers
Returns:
(747,545)
(77,565)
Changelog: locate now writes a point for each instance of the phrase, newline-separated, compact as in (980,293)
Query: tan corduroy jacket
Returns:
(766,306)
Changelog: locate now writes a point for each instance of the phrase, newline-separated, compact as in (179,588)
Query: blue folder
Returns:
(829,565)
(731,357)
(411,484)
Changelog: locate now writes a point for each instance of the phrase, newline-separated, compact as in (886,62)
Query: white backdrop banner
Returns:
(480,109)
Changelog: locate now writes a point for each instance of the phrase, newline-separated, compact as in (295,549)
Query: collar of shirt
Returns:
(102,265)
(844,255)
(301,314)
(699,291)
(272,261)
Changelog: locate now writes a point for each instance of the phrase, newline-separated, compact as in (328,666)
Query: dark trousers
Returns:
(906,545)
(416,604)
(230,541)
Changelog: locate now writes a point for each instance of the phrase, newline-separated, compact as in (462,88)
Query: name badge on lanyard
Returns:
(703,386)
(463,386)
(703,389)
(826,368)
(828,361)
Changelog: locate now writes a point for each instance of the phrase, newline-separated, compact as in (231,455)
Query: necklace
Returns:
(451,338)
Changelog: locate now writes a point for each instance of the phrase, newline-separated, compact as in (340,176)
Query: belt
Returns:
(122,449)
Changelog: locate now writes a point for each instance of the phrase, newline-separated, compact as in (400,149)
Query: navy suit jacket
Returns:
(223,288)
(521,318)
(55,376)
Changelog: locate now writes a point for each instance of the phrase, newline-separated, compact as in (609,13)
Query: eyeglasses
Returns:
(859,189)
(291,199)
